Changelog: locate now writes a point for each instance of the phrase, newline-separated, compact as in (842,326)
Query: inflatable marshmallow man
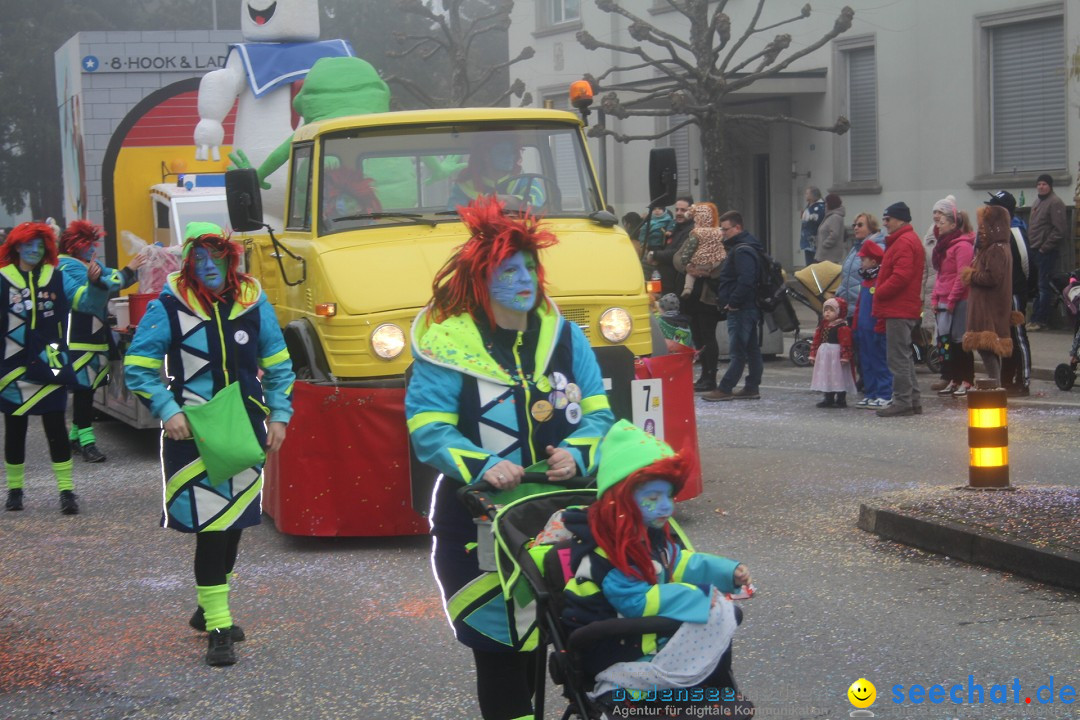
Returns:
(280,46)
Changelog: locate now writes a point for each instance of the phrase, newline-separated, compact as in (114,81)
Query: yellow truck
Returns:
(369,219)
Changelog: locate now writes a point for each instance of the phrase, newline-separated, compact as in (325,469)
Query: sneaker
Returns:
(14,499)
(68,503)
(746,394)
(219,649)
(864,403)
(962,390)
(717,395)
(948,389)
(91,454)
(877,403)
(1034,326)
(198,621)
(895,411)
(941,385)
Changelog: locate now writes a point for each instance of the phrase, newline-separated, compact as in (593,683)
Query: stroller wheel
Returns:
(1065,376)
(800,353)
(934,359)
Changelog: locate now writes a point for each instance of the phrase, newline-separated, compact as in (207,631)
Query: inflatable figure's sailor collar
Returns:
(268,66)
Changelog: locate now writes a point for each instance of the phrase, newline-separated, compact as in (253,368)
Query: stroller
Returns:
(535,575)
(1068,289)
(815,284)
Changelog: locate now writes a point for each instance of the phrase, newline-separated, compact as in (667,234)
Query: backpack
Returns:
(771,291)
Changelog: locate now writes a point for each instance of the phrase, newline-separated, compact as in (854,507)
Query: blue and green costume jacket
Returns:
(477,397)
(600,591)
(36,363)
(89,339)
(204,353)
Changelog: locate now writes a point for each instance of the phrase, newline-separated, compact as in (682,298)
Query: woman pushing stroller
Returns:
(626,563)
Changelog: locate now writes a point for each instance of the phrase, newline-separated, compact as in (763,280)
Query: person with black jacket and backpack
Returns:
(736,293)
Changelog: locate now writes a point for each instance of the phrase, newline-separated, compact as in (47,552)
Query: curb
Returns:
(1057,567)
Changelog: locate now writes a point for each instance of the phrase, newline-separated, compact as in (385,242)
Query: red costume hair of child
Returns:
(219,247)
(615,518)
(461,286)
(78,236)
(24,233)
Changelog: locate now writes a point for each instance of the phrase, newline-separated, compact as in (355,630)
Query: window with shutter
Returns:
(862,112)
(680,140)
(1028,110)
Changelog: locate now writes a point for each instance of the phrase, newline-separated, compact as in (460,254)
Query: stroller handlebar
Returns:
(481,497)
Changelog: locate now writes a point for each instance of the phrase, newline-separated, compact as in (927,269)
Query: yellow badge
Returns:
(542,410)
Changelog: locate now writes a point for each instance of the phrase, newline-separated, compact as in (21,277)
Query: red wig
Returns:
(78,236)
(24,233)
(615,519)
(220,247)
(461,286)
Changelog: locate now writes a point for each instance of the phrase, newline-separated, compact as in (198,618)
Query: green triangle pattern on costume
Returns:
(214,600)
(62,471)
(16,474)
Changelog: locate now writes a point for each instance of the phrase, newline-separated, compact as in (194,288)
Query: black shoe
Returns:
(91,454)
(219,650)
(68,503)
(14,499)
(825,404)
(703,385)
(198,621)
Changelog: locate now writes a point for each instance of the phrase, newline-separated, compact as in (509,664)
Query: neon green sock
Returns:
(15,476)
(86,436)
(73,433)
(62,471)
(214,600)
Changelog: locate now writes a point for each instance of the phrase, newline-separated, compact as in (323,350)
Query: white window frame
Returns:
(843,183)
(546,24)
(985,177)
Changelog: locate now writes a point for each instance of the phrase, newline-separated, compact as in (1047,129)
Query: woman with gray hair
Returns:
(953,248)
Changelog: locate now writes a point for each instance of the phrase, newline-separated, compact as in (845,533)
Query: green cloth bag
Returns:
(223,434)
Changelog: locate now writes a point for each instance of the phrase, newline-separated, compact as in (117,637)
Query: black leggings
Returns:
(82,407)
(215,556)
(505,683)
(15,427)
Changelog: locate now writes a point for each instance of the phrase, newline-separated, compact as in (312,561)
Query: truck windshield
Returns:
(392,176)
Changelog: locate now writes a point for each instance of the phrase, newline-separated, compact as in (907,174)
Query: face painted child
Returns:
(209,269)
(513,284)
(655,501)
(31,253)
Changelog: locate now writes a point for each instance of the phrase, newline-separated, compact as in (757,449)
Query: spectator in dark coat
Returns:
(1046,232)
(1016,369)
(830,234)
(898,306)
(989,312)
(671,279)
(812,216)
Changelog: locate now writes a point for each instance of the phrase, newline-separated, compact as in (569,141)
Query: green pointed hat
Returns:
(198,229)
(625,450)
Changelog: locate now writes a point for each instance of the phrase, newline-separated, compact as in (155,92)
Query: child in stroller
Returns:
(620,640)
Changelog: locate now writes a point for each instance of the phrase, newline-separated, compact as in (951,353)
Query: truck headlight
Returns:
(615,325)
(388,341)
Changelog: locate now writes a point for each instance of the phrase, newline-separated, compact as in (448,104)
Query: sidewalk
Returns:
(1032,531)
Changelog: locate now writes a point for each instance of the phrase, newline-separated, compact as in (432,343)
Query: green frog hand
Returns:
(331,162)
(240,162)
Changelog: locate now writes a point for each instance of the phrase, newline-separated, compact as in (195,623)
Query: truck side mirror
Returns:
(663,176)
(244,199)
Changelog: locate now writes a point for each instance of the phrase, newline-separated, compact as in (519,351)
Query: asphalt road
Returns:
(94,608)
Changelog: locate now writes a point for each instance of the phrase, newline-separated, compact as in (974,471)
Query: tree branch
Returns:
(420,42)
(842,24)
(591,43)
(611,7)
(526,53)
(415,89)
(745,36)
(841,126)
(597,131)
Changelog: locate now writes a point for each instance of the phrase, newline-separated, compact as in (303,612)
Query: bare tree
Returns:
(697,75)
(453,37)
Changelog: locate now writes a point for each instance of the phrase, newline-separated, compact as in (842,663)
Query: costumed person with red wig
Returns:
(218,330)
(627,562)
(89,338)
(500,381)
(36,368)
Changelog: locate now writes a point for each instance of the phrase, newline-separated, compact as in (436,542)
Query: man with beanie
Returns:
(898,302)
(1047,230)
(1016,369)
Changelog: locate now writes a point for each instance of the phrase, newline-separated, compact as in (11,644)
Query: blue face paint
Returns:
(655,501)
(504,156)
(32,252)
(87,253)
(514,285)
(209,270)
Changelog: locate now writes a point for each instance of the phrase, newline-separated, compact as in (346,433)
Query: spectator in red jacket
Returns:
(898,304)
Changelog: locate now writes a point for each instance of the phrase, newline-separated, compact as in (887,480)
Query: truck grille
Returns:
(580,316)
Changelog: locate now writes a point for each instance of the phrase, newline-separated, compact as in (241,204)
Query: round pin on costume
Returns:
(542,411)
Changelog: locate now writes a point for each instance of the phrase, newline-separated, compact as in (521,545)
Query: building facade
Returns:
(958,97)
